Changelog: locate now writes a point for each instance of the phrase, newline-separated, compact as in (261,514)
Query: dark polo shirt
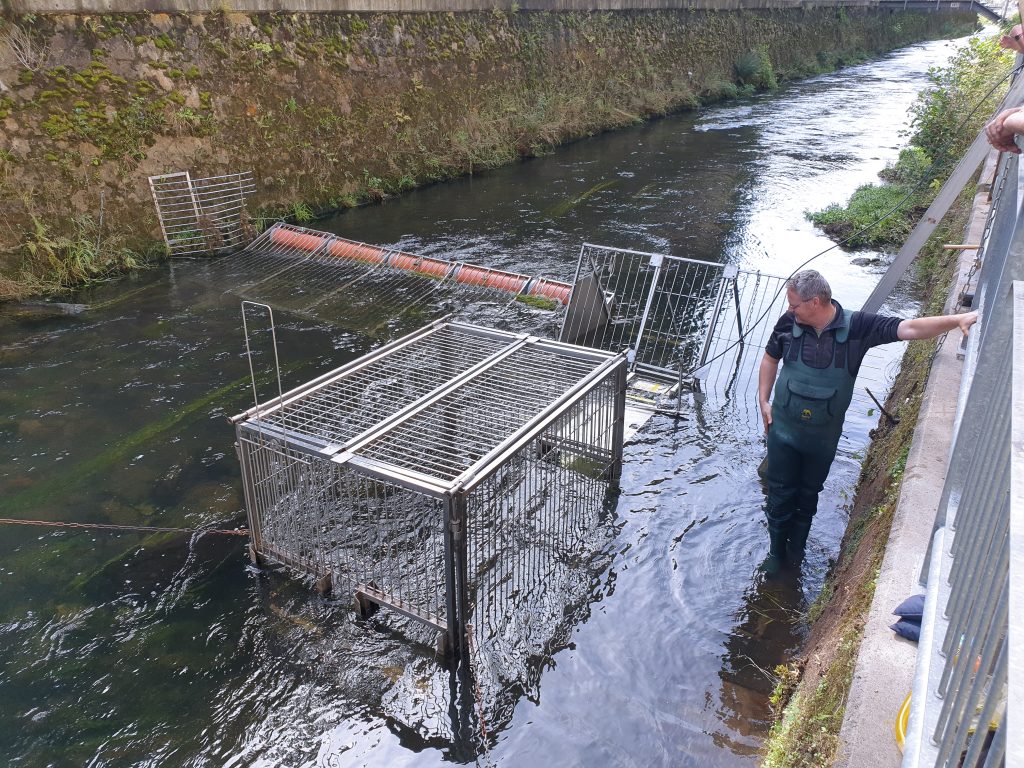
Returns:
(866,331)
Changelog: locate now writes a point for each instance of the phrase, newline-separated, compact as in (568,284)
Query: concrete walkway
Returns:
(884,672)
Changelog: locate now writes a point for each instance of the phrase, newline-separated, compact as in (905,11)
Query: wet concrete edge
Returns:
(884,672)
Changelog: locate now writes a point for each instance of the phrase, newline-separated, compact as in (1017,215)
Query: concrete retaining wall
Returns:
(399,6)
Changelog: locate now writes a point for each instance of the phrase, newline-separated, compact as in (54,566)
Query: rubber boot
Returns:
(796,543)
(776,551)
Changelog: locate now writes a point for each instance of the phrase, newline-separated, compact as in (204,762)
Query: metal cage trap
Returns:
(437,474)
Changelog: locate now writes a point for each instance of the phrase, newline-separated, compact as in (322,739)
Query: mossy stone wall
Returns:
(332,109)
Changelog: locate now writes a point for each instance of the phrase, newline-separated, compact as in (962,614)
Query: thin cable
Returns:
(110,527)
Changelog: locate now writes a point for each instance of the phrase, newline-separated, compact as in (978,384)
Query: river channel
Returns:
(124,648)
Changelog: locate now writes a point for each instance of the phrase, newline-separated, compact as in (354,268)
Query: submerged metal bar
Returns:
(374,595)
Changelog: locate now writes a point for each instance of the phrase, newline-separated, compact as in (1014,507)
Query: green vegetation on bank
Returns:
(333,110)
(945,118)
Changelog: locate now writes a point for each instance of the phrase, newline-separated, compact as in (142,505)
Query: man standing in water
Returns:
(822,346)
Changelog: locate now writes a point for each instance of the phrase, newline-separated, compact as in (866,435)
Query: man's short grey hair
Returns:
(808,284)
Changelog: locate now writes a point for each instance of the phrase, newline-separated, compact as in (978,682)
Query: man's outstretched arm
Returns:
(936,325)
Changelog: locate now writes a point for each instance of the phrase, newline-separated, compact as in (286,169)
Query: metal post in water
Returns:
(619,425)
(730,273)
(459,547)
(451,587)
(739,310)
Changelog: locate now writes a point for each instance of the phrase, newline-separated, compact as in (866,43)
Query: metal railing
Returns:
(968,697)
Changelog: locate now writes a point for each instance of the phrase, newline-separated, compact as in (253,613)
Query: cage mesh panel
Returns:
(204,215)
(285,506)
(660,312)
(320,518)
(449,436)
(350,404)
(679,314)
(391,539)
(534,530)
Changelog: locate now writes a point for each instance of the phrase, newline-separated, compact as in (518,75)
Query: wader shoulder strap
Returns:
(839,355)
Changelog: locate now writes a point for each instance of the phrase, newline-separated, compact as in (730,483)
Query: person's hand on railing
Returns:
(1014,41)
(1002,130)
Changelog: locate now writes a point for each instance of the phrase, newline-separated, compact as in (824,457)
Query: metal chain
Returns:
(110,527)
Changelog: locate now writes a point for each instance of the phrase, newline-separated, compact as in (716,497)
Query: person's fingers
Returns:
(999,136)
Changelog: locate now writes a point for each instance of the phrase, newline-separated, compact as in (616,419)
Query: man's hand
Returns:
(766,374)
(935,325)
(966,320)
(1013,41)
(1000,134)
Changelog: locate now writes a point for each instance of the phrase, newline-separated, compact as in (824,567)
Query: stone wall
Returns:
(330,110)
(396,6)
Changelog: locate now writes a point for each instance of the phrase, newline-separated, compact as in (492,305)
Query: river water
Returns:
(125,648)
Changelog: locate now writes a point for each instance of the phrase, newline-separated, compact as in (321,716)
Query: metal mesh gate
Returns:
(206,215)
(686,321)
(673,317)
(438,474)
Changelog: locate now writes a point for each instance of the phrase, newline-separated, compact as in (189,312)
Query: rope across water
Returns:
(112,527)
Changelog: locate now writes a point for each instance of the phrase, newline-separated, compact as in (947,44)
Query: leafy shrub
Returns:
(80,258)
(961,97)
(860,224)
(912,167)
(755,68)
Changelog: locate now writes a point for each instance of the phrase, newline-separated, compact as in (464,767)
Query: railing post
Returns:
(1015,620)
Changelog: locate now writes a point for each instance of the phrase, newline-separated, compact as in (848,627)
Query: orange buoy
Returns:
(491,278)
(346,249)
(292,239)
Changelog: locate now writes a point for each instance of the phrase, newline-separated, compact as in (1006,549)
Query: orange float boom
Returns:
(468,274)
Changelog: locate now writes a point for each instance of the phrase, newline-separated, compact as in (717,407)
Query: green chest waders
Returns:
(808,409)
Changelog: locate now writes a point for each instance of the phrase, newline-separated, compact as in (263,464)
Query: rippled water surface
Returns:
(169,649)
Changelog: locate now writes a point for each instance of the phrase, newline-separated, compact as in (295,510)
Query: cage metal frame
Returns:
(320,461)
(203,215)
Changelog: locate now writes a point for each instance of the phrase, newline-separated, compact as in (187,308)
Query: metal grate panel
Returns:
(206,215)
(672,316)
(449,436)
(354,399)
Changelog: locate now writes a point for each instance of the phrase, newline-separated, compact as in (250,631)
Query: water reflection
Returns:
(769,627)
